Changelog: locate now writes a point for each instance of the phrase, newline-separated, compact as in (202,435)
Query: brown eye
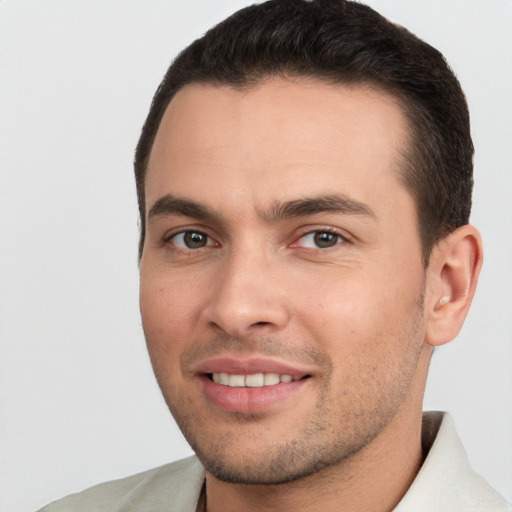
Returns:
(323,239)
(320,240)
(190,240)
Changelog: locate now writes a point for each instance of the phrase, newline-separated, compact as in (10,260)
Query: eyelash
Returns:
(340,239)
(171,239)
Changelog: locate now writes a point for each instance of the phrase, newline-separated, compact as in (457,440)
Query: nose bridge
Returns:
(245,297)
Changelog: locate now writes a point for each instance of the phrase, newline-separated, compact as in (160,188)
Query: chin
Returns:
(260,461)
(275,470)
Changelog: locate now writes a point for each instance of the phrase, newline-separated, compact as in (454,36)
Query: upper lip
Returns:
(248,366)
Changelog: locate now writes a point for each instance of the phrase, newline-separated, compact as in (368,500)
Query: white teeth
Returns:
(255,380)
(236,381)
(271,379)
(221,378)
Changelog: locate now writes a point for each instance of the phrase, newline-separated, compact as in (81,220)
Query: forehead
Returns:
(294,134)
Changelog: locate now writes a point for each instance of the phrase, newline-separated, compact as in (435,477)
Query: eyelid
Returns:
(310,230)
(168,237)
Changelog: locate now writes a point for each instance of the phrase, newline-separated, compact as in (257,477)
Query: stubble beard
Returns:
(328,438)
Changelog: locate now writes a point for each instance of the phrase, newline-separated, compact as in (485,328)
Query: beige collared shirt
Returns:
(445,483)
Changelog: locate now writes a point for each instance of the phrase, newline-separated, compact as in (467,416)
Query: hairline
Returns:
(408,156)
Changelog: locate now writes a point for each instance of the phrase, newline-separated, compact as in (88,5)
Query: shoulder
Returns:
(446,481)
(178,483)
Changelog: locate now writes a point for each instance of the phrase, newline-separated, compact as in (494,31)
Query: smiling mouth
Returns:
(251,386)
(254,380)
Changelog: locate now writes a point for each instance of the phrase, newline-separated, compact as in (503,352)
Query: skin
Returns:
(358,316)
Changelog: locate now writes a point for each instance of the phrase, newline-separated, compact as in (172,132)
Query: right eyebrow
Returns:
(170,205)
(307,206)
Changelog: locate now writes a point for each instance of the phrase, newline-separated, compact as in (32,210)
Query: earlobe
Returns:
(453,272)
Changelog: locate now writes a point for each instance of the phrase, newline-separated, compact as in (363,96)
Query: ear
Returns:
(452,276)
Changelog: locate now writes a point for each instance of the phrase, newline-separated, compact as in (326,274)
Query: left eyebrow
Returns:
(171,205)
(313,205)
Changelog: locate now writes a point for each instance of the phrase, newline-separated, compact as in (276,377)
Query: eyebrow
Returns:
(340,204)
(171,205)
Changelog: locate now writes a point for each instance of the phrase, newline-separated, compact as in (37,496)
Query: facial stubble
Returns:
(341,424)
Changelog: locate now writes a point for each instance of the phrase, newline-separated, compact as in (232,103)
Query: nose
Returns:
(246,297)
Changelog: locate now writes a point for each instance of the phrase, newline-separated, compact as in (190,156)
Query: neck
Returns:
(375,478)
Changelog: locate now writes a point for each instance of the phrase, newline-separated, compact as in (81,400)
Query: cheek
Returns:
(370,335)
(362,316)
(167,315)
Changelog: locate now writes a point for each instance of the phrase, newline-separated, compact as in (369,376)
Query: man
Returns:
(304,181)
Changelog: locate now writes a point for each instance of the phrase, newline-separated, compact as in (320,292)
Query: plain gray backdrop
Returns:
(79,403)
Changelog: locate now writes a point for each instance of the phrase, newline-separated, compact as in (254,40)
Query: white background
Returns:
(79,404)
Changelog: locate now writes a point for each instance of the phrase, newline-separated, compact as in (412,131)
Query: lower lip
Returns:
(249,400)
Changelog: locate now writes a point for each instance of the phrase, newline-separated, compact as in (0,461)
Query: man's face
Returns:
(282,277)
